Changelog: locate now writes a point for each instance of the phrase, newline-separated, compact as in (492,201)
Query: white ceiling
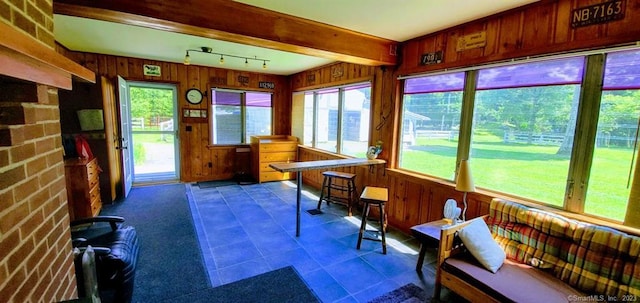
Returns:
(398,20)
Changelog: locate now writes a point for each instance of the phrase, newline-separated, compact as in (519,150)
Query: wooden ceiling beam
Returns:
(240,23)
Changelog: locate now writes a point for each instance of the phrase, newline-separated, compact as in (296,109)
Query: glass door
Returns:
(153,122)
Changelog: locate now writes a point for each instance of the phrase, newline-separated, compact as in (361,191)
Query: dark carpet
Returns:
(212,184)
(279,286)
(170,262)
(409,293)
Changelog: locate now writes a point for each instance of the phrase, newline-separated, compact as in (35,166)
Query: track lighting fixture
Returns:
(209,50)
(187,59)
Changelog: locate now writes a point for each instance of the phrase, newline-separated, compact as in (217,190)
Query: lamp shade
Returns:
(464,181)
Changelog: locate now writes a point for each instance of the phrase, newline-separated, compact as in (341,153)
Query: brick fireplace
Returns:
(36,261)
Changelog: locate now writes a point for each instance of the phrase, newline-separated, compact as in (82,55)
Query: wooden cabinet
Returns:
(272,149)
(83,187)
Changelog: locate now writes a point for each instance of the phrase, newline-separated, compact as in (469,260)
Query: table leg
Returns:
(298,196)
(423,251)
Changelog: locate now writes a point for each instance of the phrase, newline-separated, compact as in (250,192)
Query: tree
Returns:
(151,103)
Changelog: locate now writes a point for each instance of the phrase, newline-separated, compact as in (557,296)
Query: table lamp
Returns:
(464,183)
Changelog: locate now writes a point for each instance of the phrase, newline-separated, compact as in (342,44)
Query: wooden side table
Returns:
(429,236)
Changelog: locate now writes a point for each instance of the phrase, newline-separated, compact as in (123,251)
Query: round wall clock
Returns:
(194,96)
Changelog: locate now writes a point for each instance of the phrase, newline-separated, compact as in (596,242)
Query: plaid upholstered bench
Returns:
(523,254)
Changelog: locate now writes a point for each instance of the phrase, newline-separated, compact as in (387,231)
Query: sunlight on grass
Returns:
(531,171)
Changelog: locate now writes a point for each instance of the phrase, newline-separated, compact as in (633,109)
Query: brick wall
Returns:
(35,251)
(34,17)
(36,262)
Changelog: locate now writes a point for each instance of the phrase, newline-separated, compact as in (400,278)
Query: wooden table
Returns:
(429,236)
(299,167)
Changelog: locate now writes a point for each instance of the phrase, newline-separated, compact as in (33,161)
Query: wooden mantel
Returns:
(23,57)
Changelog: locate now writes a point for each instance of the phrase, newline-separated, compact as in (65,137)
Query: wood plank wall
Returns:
(540,28)
(537,29)
(199,161)
(413,199)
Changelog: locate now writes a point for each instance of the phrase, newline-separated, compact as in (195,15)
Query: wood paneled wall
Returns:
(537,29)
(199,161)
(413,199)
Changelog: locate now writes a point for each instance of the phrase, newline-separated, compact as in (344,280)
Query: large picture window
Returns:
(431,109)
(544,131)
(617,137)
(337,119)
(523,128)
(237,115)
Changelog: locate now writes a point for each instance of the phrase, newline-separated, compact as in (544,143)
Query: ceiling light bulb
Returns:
(187,59)
(264,64)
(246,62)
(221,59)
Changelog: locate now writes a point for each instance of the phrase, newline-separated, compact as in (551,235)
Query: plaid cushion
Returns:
(594,259)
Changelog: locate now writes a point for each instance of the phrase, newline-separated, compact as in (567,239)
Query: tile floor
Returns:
(250,229)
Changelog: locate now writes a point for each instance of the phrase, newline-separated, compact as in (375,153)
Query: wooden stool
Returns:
(375,196)
(329,183)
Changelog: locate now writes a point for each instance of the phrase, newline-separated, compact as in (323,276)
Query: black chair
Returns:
(116,262)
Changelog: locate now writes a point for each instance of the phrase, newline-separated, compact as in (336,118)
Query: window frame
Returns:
(584,138)
(341,112)
(243,114)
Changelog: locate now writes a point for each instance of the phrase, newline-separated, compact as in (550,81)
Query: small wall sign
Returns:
(337,71)
(311,78)
(472,41)
(265,84)
(598,13)
(244,80)
(151,70)
(431,58)
(194,115)
(219,80)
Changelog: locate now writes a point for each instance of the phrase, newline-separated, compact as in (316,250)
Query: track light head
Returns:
(187,59)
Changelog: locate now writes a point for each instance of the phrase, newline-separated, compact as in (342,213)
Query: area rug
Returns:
(170,263)
(409,293)
(212,184)
(280,285)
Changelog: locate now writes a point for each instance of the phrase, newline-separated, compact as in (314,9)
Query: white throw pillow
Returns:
(478,240)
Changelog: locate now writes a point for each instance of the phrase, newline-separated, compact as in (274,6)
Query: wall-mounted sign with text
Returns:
(265,84)
(151,70)
(598,13)
(472,41)
(431,58)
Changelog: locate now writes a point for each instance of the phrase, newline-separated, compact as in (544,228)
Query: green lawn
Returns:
(530,171)
(139,140)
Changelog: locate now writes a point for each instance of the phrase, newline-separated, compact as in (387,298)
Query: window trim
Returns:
(243,114)
(341,105)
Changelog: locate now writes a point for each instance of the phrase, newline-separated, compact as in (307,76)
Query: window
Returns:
(337,119)
(431,109)
(523,128)
(237,115)
(530,130)
(616,138)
